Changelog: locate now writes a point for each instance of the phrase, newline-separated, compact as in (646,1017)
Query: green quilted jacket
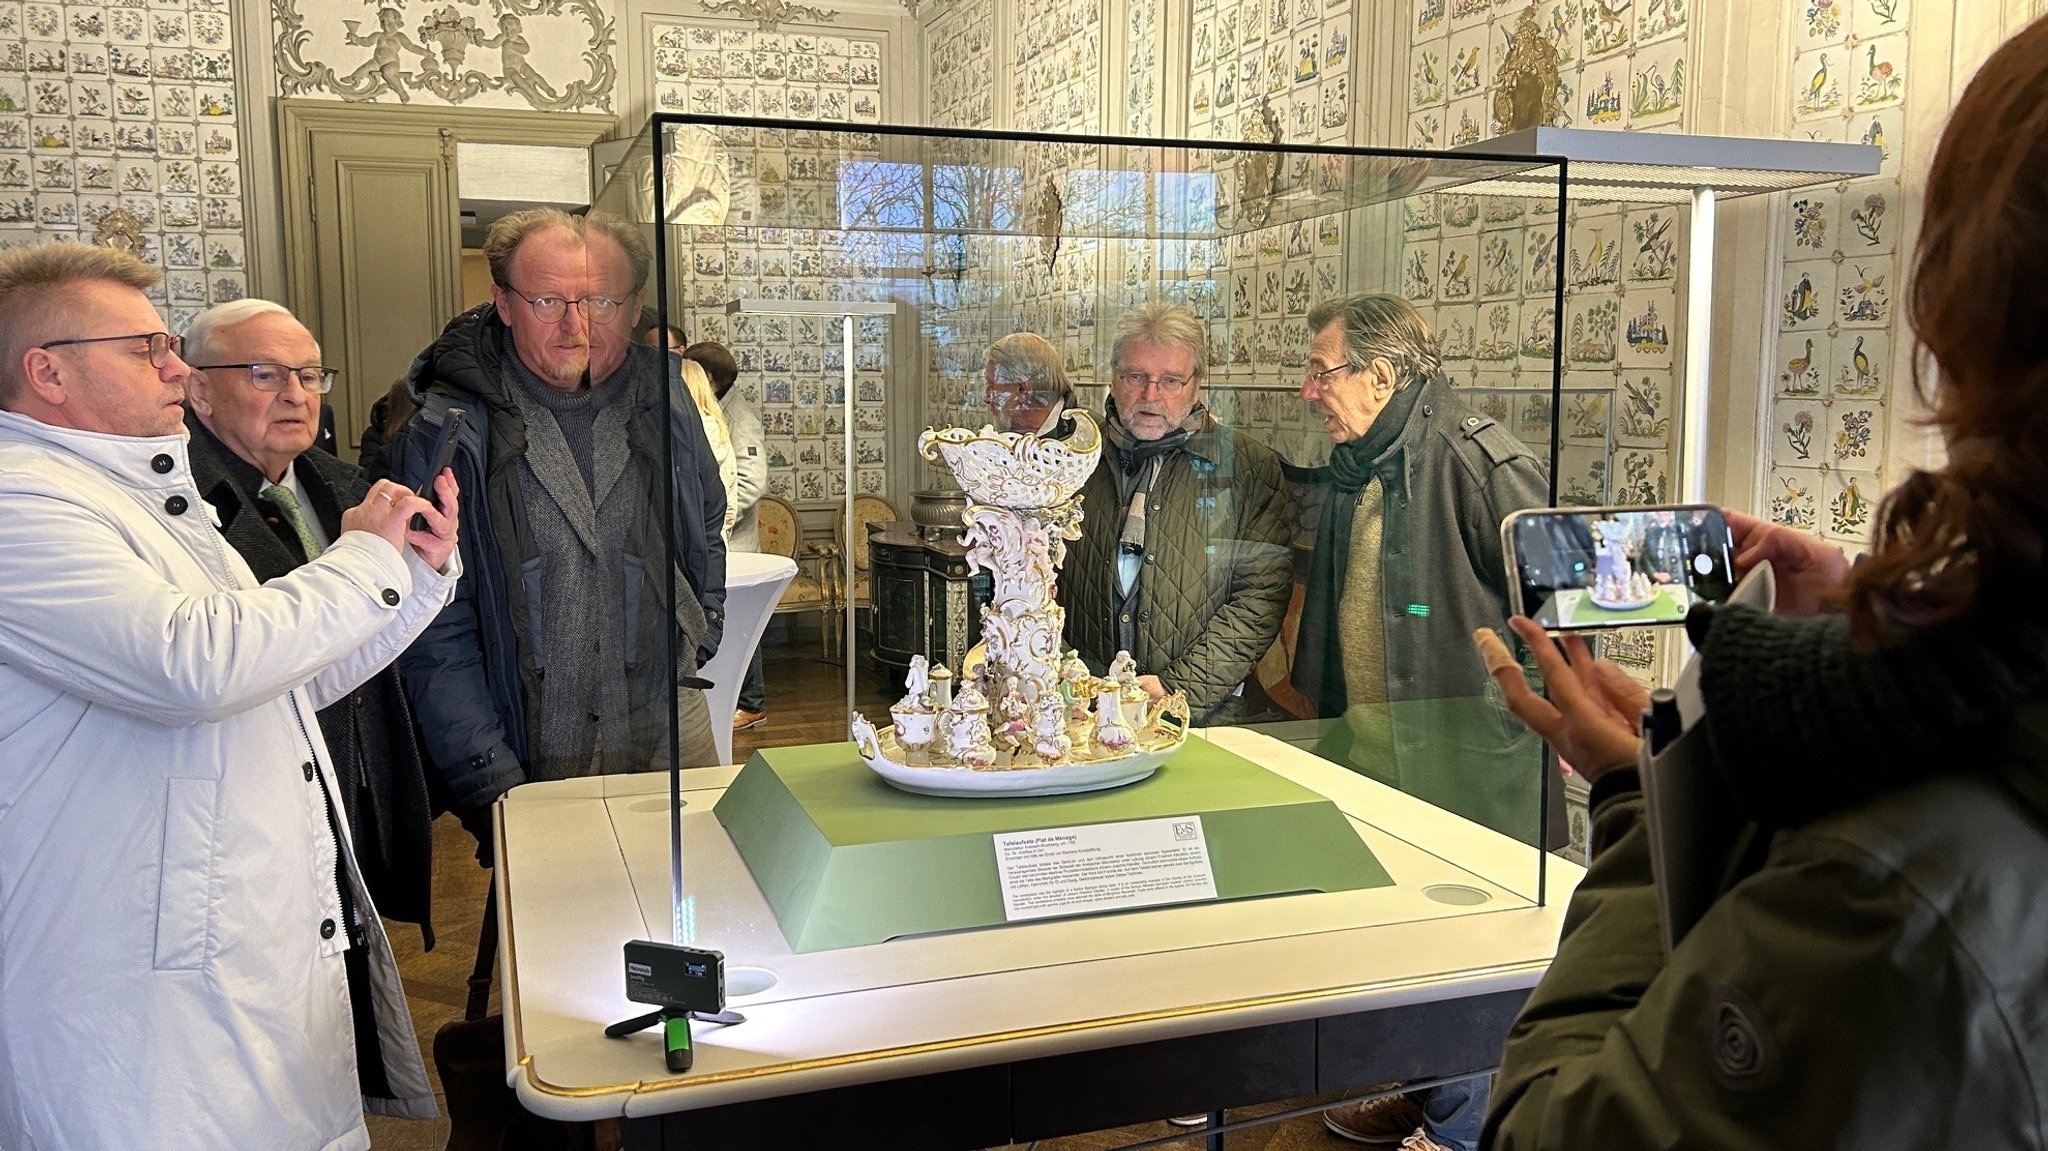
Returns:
(1217,570)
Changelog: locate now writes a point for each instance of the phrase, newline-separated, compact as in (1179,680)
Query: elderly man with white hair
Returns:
(253,410)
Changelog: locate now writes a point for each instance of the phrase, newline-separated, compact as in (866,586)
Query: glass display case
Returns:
(1295,519)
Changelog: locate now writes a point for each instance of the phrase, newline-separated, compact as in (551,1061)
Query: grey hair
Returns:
(1029,359)
(511,231)
(209,324)
(1381,327)
(1168,325)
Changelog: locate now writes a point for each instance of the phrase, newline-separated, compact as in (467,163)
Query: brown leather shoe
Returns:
(1383,1122)
(744,720)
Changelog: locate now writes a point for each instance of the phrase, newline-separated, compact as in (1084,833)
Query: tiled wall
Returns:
(128,107)
(1838,347)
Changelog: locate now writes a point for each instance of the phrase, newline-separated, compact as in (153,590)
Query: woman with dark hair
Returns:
(1874,970)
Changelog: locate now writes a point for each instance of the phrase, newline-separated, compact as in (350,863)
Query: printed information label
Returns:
(1103,867)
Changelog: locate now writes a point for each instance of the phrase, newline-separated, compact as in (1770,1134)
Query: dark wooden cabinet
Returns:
(925,601)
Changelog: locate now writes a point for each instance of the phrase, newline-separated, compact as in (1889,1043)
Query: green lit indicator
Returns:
(1419,610)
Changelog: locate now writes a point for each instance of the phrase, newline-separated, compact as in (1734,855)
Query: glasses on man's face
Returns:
(162,345)
(551,309)
(273,377)
(1139,382)
(1316,378)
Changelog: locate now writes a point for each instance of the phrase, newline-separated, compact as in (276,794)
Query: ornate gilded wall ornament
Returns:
(1527,90)
(1048,216)
(770,13)
(1258,172)
(119,230)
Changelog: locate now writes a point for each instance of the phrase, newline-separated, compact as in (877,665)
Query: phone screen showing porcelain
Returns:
(1579,569)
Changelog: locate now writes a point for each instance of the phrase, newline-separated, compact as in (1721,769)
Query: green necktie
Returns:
(287,504)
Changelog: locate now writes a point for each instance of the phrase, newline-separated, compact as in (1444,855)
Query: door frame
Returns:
(299,119)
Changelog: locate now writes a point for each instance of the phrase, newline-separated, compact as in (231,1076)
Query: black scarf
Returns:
(1319,657)
(1138,462)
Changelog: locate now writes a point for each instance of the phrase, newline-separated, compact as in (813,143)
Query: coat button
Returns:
(1471,421)
(175,505)
(327,929)
(391,596)
(1151,559)
(1144,617)
(1125,617)
(307,767)
(161,463)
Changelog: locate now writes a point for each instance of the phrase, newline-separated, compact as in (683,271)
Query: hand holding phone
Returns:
(444,455)
(1584,569)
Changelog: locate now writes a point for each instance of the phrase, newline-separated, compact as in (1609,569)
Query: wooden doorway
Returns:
(371,230)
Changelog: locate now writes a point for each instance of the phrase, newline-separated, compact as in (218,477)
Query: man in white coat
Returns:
(182,922)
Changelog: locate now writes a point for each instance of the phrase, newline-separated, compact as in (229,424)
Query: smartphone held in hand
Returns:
(1584,569)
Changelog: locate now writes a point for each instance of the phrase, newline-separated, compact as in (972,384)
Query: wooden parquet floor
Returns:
(806,704)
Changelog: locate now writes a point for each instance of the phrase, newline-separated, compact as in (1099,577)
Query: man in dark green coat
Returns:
(1183,559)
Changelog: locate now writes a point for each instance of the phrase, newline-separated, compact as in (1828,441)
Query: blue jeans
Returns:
(1453,1113)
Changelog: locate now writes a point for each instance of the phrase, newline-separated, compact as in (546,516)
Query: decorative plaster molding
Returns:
(445,35)
(770,13)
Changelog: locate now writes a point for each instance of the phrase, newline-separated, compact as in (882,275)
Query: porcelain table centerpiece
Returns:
(1032,719)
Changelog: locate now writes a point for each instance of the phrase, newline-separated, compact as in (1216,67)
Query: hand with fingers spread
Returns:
(1807,571)
(1594,709)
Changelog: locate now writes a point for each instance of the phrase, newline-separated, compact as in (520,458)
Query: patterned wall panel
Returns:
(553,55)
(122,108)
(1831,380)
(789,365)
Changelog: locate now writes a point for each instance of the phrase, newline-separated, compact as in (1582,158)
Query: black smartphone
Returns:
(444,454)
(1583,569)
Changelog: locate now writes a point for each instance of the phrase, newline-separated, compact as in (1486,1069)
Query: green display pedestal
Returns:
(844,859)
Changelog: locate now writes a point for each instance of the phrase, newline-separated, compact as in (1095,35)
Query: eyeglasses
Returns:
(162,345)
(551,309)
(273,377)
(1317,378)
(1139,381)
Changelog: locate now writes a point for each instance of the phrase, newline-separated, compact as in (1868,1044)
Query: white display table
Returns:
(983,1037)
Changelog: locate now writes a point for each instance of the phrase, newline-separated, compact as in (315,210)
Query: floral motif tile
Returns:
(1799,431)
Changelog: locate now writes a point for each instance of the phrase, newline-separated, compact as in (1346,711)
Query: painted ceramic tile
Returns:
(1582,475)
(1464,13)
(1803,364)
(1795,498)
(1883,129)
(1652,248)
(1857,439)
(1659,19)
(1429,65)
(1647,322)
(1603,85)
(1799,431)
(1643,406)
(1594,257)
(1869,19)
(1419,216)
(1533,421)
(1816,23)
(1863,364)
(1426,129)
(1849,503)
(1863,295)
(1642,477)
(1539,261)
(1604,25)
(1470,121)
(1585,417)
(1807,301)
(1538,346)
(1879,71)
(1871,219)
(1467,62)
(1498,328)
(1590,332)
(1496,406)
(1656,89)
(1456,333)
(1418,270)
(56,209)
(1818,79)
(1811,222)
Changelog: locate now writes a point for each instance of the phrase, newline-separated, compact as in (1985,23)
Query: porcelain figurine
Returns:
(1111,729)
(968,739)
(1049,729)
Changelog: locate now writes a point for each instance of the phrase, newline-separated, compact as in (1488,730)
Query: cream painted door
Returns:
(387,262)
